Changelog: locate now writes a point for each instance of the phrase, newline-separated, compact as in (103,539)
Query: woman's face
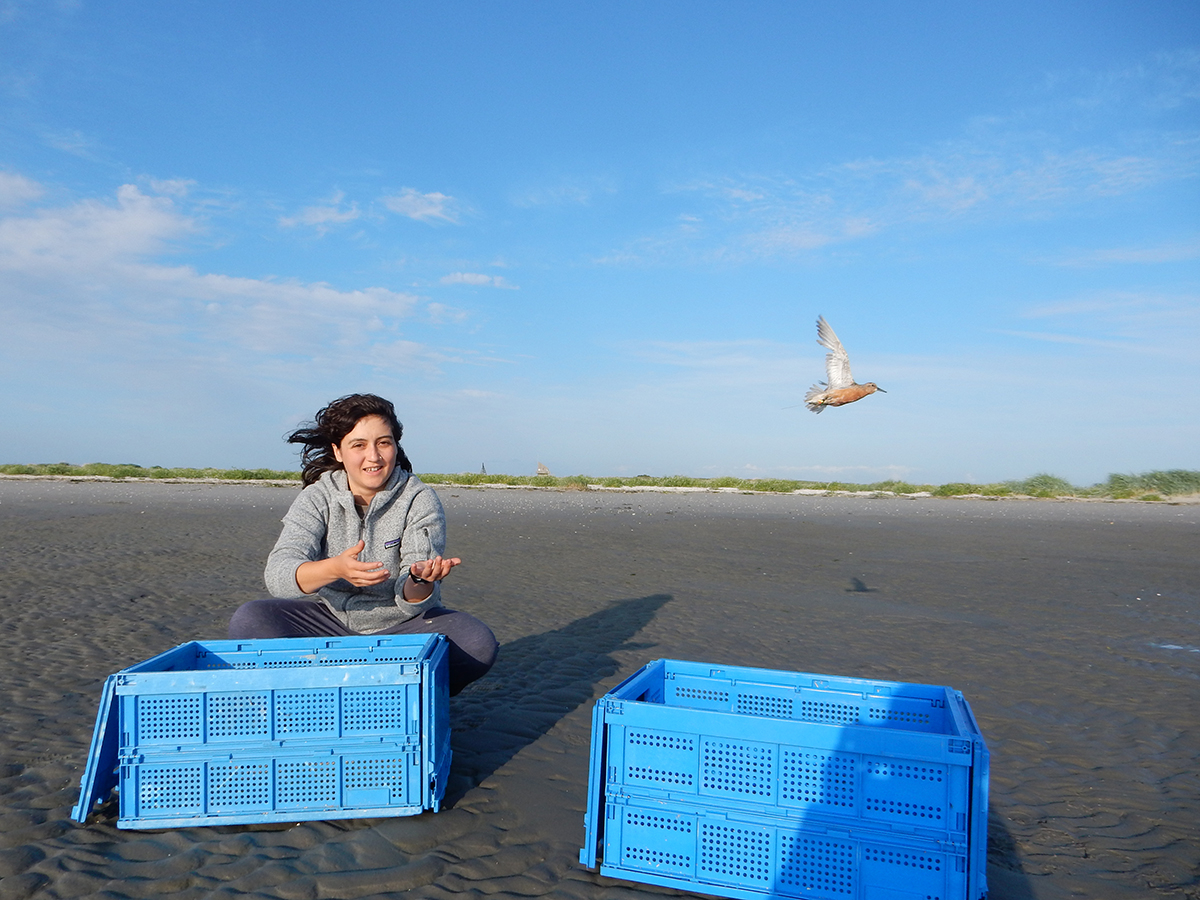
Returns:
(368,453)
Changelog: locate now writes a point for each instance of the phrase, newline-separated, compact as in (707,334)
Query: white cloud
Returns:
(99,267)
(706,354)
(1056,153)
(771,215)
(76,143)
(742,195)
(1053,338)
(1161,330)
(1132,304)
(174,187)
(477,279)
(17,190)
(773,372)
(1170,252)
(423,207)
(283,316)
(581,191)
(471,278)
(932,187)
(405,358)
(91,235)
(441,313)
(558,195)
(786,238)
(322,217)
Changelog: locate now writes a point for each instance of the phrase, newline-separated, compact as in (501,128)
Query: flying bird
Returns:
(840,388)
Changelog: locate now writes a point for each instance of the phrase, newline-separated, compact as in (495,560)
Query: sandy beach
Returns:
(1072,628)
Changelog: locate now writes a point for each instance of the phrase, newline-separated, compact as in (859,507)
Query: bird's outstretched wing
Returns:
(837,363)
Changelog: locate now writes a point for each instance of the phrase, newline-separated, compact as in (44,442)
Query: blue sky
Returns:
(598,235)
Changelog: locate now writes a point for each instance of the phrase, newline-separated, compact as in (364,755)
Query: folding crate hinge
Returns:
(958,745)
(615,707)
(612,801)
(953,848)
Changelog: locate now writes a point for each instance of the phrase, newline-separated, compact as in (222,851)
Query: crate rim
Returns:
(881,687)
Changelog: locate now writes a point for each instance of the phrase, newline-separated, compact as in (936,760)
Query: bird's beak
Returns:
(881,390)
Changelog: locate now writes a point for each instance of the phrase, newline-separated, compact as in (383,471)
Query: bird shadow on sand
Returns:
(537,680)
(858,586)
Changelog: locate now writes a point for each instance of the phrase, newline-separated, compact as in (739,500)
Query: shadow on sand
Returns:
(1006,876)
(536,681)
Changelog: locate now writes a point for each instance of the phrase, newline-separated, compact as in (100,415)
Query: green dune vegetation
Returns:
(1147,486)
(158,473)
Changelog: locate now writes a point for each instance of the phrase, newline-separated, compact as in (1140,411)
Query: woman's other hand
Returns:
(428,570)
(434,569)
(360,574)
(346,566)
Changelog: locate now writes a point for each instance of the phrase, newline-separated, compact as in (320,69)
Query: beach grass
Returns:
(129,470)
(1147,486)
(1156,485)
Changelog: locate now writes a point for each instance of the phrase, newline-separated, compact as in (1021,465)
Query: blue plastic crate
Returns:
(800,757)
(229,732)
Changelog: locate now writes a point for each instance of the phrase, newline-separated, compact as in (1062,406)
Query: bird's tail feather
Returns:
(815,391)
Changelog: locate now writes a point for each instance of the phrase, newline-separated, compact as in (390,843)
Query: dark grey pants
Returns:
(472,645)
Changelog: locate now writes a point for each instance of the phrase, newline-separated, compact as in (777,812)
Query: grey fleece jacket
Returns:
(404,524)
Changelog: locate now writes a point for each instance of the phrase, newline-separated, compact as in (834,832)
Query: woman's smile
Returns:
(368,454)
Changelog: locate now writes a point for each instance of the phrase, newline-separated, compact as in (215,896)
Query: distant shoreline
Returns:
(868,494)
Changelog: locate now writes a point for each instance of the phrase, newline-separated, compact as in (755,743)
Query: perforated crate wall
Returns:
(835,702)
(701,850)
(315,781)
(195,720)
(881,787)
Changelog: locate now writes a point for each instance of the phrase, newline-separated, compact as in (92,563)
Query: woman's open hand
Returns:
(317,573)
(434,569)
(429,570)
(359,574)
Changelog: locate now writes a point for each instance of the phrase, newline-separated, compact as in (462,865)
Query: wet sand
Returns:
(1072,628)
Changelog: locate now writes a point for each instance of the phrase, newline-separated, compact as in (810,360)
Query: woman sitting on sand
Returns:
(362,502)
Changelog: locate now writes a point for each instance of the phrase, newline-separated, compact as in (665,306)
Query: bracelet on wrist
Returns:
(417,579)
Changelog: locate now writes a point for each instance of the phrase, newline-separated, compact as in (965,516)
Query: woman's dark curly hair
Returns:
(331,426)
